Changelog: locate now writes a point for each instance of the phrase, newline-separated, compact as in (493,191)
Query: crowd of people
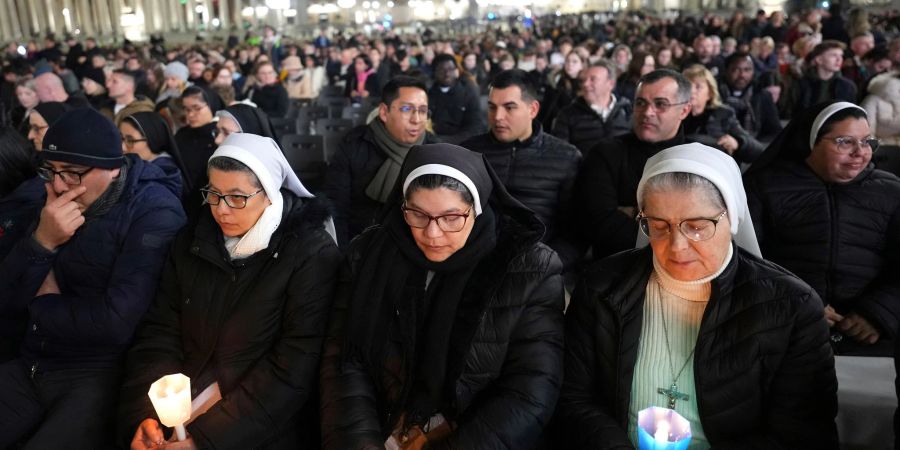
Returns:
(516,245)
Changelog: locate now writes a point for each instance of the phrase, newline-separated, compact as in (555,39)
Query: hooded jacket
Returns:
(107,274)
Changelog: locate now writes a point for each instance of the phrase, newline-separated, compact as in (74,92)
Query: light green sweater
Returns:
(682,304)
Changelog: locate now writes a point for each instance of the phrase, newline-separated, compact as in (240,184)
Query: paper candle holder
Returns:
(662,429)
(171,397)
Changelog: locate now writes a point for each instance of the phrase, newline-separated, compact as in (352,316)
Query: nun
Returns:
(448,328)
(697,322)
(242,118)
(147,135)
(242,310)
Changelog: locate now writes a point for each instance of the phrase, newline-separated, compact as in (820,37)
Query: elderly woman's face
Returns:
(838,157)
(235,222)
(435,243)
(682,258)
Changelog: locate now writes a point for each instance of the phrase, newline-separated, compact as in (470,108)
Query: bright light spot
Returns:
(65,12)
(360,17)
(278,4)
(527,13)
(21,50)
(216,22)
(247,12)
(376,5)
(262,11)
(390,4)
(558,13)
(290,13)
(346,3)
(200,9)
(366,5)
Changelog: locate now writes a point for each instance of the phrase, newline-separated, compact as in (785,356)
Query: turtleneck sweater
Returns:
(681,305)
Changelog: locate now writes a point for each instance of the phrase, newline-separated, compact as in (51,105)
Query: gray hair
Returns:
(684,86)
(683,182)
(611,72)
(226,164)
(435,181)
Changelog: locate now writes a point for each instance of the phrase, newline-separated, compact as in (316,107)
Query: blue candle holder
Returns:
(662,429)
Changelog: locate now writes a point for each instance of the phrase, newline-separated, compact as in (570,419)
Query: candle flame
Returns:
(662,432)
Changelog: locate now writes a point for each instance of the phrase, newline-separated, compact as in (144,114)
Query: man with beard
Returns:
(754,108)
(607,183)
(455,106)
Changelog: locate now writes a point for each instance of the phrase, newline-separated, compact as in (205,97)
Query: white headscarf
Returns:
(721,170)
(265,159)
(829,111)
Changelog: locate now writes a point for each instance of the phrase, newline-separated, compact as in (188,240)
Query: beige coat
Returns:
(308,86)
(883,107)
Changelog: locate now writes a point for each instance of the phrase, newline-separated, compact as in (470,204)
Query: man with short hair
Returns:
(82,279)
(855,68)
(596,113)
(607,184)
(196,67)
(363,170)
(538,169)
(704,54)
(455,107)
(753,107)
(822,81)
(121,87)
(50,88)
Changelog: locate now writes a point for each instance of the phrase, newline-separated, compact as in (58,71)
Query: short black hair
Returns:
(391,90)
(442,58)
(737,56)
(518,78)
(684,86)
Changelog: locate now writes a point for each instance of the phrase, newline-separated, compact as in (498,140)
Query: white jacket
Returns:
(883,107)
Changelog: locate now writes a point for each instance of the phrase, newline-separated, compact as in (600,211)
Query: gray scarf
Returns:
(380,186)
(108,198)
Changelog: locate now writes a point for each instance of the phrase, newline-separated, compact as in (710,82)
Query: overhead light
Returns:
(278,4)
(216,22)
(346,4)
(262,11)
(247,12)
(290,13)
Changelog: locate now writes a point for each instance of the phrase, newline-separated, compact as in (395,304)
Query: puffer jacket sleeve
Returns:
(338,181)
(348,404)
(282,380)
(880,304)
(749,148)
(113,317)
(585,420)
(512,413)
(802,398)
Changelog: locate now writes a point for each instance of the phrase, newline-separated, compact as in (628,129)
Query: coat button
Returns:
(34,327)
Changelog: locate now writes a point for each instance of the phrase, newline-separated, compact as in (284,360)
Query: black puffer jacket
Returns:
(508,380)
(714,123)
(763,366)
(456,114)
(755,111)
(255,325)
(842,239)
(583,127)
(350,171)
(540,172)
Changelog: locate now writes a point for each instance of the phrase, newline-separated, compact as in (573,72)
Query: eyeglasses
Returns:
(236,201)
(69,177)
(407,111)
(846,144)
(449,223)
(130,141)
(696,229)
(660,105)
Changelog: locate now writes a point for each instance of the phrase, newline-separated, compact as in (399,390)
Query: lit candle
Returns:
(662,429)
(171,397)
(662,432)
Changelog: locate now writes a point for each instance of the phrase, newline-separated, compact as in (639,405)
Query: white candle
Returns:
(171,397)
(661,436)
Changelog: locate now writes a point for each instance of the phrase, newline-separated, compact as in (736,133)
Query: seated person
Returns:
(83,277)
(447,327)
(241,310)
(147,135)
(714,124)
(697,323)
(824,212)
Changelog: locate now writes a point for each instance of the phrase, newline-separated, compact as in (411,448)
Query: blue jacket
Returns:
(17,210)
(107,273)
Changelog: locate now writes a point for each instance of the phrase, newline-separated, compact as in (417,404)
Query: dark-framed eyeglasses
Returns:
(70,177)
(659,104)
(847,144)
(696,229)
(408,110)
(449,223)
(236,201)
(130,141)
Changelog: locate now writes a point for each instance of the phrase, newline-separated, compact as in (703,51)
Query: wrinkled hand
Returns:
(629,211)
(49,285)
(831,316)
(149,436)
(858,328)
(729,143)
(60,218)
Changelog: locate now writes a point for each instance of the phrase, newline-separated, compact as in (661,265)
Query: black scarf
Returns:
(389,289)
